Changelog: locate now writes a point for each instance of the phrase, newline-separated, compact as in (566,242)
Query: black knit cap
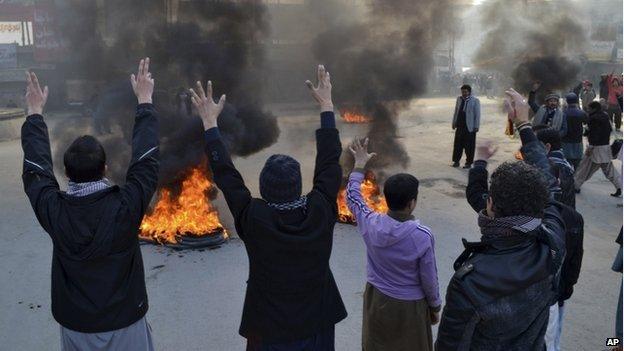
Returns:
(280,179)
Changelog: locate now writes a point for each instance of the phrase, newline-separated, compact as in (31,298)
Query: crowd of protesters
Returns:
(508,291)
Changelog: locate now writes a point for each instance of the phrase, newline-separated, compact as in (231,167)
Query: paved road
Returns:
(196,297)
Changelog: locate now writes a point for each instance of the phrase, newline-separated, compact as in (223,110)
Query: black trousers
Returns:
(464,140)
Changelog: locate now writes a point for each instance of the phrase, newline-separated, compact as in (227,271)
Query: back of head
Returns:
(280,179)
(399,190)
(549,136)
(518,189)
(572,98)
(85,160)
(594,106)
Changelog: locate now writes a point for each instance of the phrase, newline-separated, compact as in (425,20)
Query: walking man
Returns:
(598,153)
(466,121)
(98,284)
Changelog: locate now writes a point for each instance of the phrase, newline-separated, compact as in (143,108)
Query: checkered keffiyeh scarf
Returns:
(293,205)
(507,226)
(87,188)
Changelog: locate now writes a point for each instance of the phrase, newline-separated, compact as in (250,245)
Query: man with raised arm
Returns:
(401,298)
(500,295)
(98,285)
(549,113)
(292,301)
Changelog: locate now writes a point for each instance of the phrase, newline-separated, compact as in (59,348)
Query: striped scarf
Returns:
(506,226)
(287,206)
(87,188)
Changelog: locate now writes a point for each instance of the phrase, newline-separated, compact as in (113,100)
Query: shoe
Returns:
(467,165)
(617,193)
(578,191)
(455,164)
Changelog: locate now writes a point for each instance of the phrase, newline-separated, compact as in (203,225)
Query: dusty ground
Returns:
(196,297)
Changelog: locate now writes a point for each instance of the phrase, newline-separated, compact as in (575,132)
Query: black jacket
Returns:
(604,88)
(98,282)
(575,118)
(291,292)
(574,250)
(502,289)
(598,129)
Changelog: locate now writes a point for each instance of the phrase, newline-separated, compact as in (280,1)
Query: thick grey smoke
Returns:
(380,60)
(533,42)
(217,40)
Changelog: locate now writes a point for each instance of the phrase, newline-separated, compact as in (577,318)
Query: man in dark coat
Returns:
(564,170)
(503,286)
(604,86)
(292,301)
(572,142)
(98,284)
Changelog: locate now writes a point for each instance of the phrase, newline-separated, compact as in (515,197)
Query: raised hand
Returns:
(205,105)
(142,83)
(359,150)
(35,97)
(486,149)
(322,92)
(517,107)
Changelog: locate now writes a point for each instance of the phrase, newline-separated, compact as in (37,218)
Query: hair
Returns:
(548,136)
(595,106)
(85,160)
(467,87)
(518,189)
(399,190)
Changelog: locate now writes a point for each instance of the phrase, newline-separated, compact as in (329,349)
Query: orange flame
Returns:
(354,117)
(189,214)
(373,197)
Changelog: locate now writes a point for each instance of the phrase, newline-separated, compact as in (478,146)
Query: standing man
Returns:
(489,87)
(401,299)
(98,285)
(572,141)
(292,301)
(466,121)
(598,153)
(588,94)
(550,113)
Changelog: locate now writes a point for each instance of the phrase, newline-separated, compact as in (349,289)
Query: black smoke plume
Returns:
(529,42)
(380,60)
(215,40)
